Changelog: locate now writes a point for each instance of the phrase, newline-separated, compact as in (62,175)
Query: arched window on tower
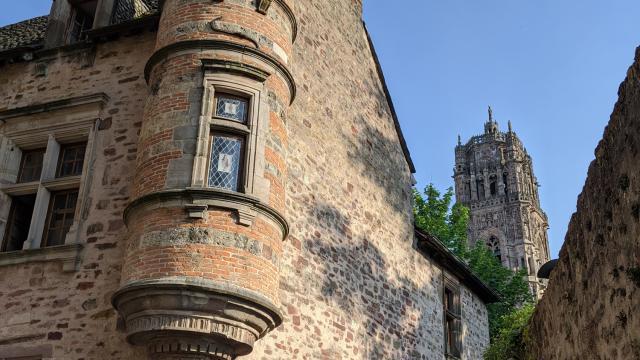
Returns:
(493,186)
(494,245)
(480,188)
(506,185)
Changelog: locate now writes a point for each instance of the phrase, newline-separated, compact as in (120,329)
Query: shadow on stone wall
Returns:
(358,280)
(376,154)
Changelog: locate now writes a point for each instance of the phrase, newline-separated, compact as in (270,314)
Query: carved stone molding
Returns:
(263,6)
(197,200)
(173,318)
(222,45)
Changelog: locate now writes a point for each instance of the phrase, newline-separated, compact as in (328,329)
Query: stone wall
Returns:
(351,283)
(475,320)
(590,309)
(68,315)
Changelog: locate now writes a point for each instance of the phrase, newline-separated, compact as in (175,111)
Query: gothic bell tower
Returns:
(494,178)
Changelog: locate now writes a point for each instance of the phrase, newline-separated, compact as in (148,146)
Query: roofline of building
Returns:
(396,122)
(430,246)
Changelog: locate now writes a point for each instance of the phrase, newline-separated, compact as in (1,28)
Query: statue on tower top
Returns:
(491,126)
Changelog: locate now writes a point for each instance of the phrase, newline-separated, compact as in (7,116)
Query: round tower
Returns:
(207,220)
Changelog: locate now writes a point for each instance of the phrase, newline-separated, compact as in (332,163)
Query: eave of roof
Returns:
(430,246)
(396,122)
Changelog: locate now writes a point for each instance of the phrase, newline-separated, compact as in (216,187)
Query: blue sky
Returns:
(553,67)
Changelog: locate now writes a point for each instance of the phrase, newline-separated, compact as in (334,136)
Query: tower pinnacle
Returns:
(491,126)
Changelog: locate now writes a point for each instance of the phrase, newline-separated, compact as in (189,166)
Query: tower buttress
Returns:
(207,218)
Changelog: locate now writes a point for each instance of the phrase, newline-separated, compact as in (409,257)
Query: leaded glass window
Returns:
(231,107)
(226,161)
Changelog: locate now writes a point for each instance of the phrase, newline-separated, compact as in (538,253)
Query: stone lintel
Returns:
(99,98)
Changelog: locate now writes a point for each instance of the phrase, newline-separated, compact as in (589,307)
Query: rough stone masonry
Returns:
(590,309)
(243,191)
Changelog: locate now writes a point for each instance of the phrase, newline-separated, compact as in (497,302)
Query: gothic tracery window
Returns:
(494,245)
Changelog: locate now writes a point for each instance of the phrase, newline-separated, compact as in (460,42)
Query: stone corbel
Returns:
(197,211)
(263,6)
(246,216)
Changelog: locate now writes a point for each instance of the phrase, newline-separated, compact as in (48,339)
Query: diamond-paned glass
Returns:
(231,108)
(226,155)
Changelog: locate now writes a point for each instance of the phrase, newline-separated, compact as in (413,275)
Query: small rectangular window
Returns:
(231,107)
(226,161)
(83,17)
(18,222)
(452,324)
(31,165)
(62,210)
(71,160)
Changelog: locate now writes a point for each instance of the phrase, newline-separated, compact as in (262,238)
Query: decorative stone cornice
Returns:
(247,206)
(99,99)
(236,68)
(292,18)
(204,318)
(209,44)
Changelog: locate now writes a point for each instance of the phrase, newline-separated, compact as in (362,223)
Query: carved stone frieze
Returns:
(176,317)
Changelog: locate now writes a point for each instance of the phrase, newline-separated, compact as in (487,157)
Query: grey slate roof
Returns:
(25,33)
(126,10)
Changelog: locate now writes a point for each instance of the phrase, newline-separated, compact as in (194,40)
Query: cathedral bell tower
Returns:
(207,219)
(494,178)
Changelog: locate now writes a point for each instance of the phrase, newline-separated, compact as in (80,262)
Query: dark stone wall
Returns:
(590,310)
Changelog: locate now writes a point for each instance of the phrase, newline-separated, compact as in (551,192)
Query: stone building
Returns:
(213,179)
(494,178)
(590,309)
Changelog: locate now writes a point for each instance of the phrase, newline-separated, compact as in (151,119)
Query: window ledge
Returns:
(68,254)
(63,183)
(20,189)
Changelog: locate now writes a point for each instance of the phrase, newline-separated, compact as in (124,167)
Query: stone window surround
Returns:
(248,83)
(66,121)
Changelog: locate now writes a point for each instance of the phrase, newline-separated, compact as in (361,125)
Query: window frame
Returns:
(243,154)
(9,225)
(77,30)
(216,83)
(50,213)
(23,159)
(452,314)
(47,186)
(63,148)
